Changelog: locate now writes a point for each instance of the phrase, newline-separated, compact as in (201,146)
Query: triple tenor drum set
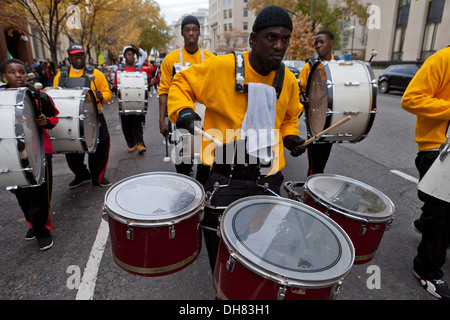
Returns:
(301,247)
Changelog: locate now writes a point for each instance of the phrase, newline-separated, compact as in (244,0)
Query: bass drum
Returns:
(276,248)
(22,163)
(133,92)
(153,220)
(78,128)
(335,90)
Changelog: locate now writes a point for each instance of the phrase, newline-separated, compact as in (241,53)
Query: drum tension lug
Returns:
(230,264)
(172,232)
(281,293)
(363,229)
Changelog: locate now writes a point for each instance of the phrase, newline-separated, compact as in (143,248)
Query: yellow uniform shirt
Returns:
(174,57)
(100,82)
(212,83)
(428,97)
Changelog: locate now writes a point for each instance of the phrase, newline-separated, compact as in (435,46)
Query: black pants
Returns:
(35,202)
(224,196)
(132,129)
(435,226)
(97,161)
(318,154)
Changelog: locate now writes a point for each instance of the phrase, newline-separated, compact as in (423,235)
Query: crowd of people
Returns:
(213,82)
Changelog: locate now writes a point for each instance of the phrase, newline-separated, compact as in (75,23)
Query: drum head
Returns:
(350,197)
(287,240)
(153,198)
(90,121)
(318,95)
(31,149)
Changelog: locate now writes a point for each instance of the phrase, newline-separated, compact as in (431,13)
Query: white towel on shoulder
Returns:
(259,121)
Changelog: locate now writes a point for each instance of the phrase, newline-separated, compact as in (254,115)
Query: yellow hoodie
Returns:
(212,83)
(428,97)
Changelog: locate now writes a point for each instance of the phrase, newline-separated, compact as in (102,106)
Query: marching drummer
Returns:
(428,97)
(189,54)
(271,105)
(35,201)
(76,77)
(318,153)
(132,123)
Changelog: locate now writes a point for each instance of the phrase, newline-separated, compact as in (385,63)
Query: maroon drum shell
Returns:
(151,252)
(154,222)
(243,284)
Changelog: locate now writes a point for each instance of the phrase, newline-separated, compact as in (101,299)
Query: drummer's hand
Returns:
(41,120)
(304,101)
(163,128)
(99,95)
(186,119)
(292,143)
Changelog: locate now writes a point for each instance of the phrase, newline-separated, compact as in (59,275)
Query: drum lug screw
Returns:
(281,293)
(230,264)
(172,232)
(363,230)
(130,233)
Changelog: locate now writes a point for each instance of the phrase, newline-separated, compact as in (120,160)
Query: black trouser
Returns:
(35,202)
(132,129)
(224,196)
(435,226)
(97,161)
(318,154)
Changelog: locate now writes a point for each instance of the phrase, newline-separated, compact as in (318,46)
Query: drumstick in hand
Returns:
(317,136)
(208,137)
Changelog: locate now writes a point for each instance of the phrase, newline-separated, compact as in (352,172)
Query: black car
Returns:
(396,77)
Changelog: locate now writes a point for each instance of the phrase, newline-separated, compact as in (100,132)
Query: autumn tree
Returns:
(301,45)
(47,17)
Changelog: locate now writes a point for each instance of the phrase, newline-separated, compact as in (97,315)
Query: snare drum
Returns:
(78,128)
(276,248)
(335,90)
(436,182)
(22,163)
(133,92)
(153,220)
(361,210)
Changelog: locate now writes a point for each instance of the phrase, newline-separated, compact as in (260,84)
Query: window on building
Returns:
(245,13)
(400,29)
(230,26)
(225,27)
(225,14)
(245,26)
(230,13)
(434,18)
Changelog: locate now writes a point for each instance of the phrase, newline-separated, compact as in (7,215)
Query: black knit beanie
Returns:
(189,20)
(272,16)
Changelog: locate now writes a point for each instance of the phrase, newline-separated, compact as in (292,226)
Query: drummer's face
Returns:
(16,75)
(78,60)
(191,33)
(323,45)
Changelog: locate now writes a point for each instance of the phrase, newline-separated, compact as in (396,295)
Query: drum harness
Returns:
(249,170)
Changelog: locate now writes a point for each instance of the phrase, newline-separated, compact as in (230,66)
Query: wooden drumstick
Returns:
(317,136)
(167,158)
(208,137)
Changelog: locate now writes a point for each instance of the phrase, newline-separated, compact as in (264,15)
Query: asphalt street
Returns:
(80,264)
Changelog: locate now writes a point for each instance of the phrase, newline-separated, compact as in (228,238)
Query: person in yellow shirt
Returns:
(428,97)
(318,152)
(215,83)
(74,77)
(189,54)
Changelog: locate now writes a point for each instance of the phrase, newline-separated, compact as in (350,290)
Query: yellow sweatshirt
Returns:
(212,83)
(428,97)
(174,57)
(100,82)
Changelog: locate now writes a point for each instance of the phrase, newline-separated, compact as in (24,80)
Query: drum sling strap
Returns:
(177,67)
(75,82)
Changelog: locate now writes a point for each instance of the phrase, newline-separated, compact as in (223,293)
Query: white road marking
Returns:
(87,284)
(405,176)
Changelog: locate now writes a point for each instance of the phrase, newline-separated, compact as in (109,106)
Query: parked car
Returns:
(396,77)
(298,64)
